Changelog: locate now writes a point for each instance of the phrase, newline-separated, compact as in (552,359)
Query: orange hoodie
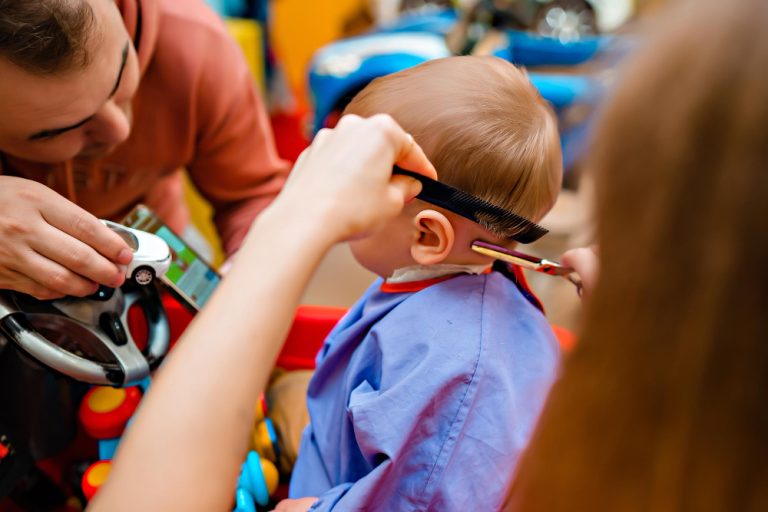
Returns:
(197,108)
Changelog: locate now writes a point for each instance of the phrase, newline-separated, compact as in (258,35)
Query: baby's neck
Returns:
(422,272)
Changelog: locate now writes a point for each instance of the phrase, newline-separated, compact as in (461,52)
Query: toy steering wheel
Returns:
(87,338)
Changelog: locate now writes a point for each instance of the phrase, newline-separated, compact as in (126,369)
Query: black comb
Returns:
(496,219)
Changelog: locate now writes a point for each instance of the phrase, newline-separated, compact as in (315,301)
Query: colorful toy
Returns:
(87,339)
(105,411)
(263,435)
(261,409)
(259,475)
(244,501)
(264,439)
(258,480)
(341,69)
(94,477)
(151,254)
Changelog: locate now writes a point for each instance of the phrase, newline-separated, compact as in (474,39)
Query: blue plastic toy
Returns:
(342,69)
(258,480)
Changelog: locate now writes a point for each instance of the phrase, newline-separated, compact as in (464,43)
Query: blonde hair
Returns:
(481,123)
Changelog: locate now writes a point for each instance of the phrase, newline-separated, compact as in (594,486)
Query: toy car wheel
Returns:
(143,276)
(566,20)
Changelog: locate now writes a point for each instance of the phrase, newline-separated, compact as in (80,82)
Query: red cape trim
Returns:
(417,286)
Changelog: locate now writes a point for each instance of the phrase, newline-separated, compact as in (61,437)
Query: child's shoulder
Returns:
(468,309)
(467,294)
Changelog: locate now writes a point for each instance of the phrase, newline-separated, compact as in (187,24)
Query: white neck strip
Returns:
(423,272)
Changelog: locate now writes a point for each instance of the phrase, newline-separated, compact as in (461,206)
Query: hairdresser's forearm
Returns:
(184,450)
(196,439)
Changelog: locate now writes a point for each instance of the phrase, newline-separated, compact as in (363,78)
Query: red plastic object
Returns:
(3,451)
(290,134)
(565,337)
(94,477)
(261,409)
(178,320)
(310,327)
(105,411)
(313,323)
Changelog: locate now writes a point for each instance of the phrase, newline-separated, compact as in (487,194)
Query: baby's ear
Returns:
(434,237)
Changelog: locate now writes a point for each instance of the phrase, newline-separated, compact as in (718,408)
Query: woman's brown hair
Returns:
(664,403)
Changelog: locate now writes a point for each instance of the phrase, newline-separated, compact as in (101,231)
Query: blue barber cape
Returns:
(424,400)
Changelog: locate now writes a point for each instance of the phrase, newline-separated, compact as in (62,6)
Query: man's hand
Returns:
(49,247)
(297,505)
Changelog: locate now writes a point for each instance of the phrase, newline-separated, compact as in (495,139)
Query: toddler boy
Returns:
(427,391)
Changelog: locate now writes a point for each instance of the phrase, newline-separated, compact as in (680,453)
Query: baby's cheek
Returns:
(368,253)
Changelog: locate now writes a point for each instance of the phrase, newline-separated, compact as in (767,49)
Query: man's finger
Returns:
(13,280)
(78,257)
(78,223)
(55,277)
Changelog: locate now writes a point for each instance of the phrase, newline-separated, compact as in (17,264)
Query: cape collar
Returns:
(417,277)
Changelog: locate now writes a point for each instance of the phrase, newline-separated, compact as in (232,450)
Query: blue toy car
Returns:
(565,20)
(342,69)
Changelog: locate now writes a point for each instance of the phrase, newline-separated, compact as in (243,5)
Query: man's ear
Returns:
(434,237)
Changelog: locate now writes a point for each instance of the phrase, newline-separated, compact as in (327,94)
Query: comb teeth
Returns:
(495,219)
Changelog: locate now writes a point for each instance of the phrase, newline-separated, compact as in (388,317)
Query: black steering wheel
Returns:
(87,339)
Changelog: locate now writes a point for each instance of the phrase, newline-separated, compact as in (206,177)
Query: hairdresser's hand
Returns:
(49,247)
(297,505)
(585,262)
(345,177)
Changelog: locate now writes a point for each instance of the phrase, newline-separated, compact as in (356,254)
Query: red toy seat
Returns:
(310,327)
(313,323)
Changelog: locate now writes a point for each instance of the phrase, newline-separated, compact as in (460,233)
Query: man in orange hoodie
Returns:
(103,102)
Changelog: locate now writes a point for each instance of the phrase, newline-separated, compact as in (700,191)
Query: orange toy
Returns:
(257,482)
(105,411)
(264,440)
(261,410)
